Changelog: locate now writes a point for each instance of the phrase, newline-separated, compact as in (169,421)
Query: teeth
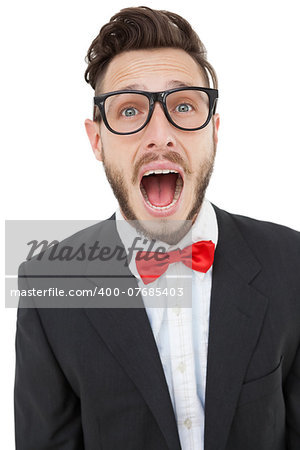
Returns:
(179,182)
(162,208)
(143,191)
(158,171)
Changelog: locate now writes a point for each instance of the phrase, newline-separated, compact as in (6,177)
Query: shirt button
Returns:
(176,310)
(188,423)
(181,367)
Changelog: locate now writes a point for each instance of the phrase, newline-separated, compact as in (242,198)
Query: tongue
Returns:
(160,188)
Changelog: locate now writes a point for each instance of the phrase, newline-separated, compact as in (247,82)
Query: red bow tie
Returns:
(198,256)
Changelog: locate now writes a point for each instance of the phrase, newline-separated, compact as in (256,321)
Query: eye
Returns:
(129,112)
(183,107)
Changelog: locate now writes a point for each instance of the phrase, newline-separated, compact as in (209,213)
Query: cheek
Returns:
(113,147)
(117,146)
(198,146)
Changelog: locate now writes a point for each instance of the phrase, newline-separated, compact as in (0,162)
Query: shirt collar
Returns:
(204,228)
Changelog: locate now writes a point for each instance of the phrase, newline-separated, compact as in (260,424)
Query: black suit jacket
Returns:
(91,378)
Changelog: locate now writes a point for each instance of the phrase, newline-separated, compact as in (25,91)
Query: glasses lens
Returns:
(126,113)
(188,108)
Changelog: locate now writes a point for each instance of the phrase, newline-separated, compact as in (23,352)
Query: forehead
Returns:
(154,69)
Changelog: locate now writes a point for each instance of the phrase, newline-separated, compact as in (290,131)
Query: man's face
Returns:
(159,203)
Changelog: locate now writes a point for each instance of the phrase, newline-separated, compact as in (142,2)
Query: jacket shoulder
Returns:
(68,255)
(272,244)
(260,231)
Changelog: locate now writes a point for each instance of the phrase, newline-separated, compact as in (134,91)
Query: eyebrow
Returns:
(176,83)
(170,85)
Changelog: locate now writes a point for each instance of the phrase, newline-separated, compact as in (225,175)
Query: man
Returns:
(213,364)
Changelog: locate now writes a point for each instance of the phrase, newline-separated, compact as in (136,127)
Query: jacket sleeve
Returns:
(292,395)
(47,412)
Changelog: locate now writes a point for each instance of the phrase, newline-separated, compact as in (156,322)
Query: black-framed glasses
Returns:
(129,111)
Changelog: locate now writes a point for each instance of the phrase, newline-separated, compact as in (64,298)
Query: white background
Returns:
(50,171)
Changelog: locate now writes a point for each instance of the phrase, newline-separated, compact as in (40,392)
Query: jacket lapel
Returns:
(236,317)
(125,328)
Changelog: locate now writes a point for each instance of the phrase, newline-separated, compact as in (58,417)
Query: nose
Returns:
(159,132)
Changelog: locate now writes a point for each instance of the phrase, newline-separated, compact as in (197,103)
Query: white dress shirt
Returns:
(180,323)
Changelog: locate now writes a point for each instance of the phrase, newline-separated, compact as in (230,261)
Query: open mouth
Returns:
(161,188)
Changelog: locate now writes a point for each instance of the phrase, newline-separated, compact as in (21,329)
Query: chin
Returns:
(169,228)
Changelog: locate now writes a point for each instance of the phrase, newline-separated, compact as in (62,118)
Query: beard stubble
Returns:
(164,232)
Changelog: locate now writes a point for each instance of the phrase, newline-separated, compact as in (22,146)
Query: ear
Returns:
(93,131)
(216,119)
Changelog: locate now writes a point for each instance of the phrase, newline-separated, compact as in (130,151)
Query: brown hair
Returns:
(143,28)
